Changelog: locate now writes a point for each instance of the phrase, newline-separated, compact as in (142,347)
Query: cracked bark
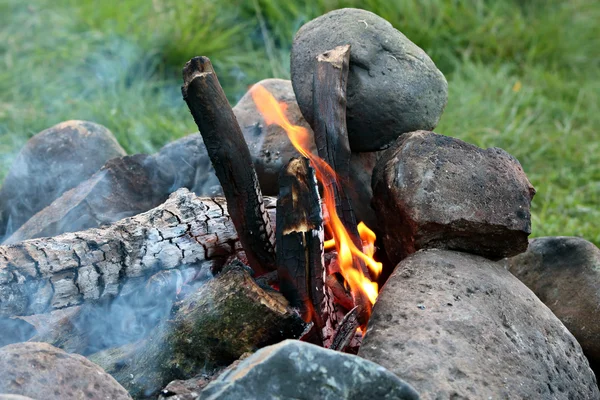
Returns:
(45,274)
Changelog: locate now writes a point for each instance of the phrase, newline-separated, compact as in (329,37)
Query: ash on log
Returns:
(300,236)
(186,232)
(330,79)
(227,317)
(231,159)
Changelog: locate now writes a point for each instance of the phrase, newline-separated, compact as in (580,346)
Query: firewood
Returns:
(300,237)
(231,159)
(346,330)
(331,136)
(185,232)
(223,319)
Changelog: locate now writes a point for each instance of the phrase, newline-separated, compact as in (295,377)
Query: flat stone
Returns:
(271,149)
(457,326)
(393,85)
(299,370)
(50,163)
(564,272)
(41,371)
(435,191)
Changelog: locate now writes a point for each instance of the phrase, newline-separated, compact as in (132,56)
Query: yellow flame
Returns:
(274,113)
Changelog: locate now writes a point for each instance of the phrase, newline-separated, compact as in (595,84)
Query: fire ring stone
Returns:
(393,85)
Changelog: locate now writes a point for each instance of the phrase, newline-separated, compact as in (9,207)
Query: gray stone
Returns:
(564,272)
(458,326)
(434,191)
(41,371)
(271,149)
(52,162)
(299,370)
(185,163)
(393,86)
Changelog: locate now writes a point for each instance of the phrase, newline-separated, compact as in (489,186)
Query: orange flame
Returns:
(274,113)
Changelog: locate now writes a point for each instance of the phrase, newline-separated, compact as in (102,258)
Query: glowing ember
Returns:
(348,253)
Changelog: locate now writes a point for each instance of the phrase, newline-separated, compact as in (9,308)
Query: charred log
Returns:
(231,159)
(225,318)
(186,233)
(300,236)
(331,136)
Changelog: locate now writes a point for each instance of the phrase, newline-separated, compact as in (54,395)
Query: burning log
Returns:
(300,238)
(231,159)
(185,232)
(331,136)
(223,319)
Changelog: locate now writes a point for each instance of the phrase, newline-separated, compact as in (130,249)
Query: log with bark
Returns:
(223,319)
(231,160)
(185,232)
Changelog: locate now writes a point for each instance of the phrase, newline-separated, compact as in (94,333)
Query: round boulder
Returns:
(50,163)
(41,371)
(393,85)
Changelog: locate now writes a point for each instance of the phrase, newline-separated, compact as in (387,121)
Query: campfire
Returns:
(188,274)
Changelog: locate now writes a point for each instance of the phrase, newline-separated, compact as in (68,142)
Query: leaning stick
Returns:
(231,159)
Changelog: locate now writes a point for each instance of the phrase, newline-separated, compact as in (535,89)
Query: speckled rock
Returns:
(52,162)
(41,371)
(564,272)
(435,191)
(393,86)
(458,326)
(271,149)
(299,370)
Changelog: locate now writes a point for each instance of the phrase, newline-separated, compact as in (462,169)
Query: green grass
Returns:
(118,63)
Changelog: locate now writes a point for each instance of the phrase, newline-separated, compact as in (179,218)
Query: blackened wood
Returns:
(331,135)
(341,295)
(225,318)
(300,236)
(231,159)
(346,330)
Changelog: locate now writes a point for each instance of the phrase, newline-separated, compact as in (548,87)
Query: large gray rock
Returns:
(52,162)
(271,149)
(434,191)
(299,370)
(41,371)
(393,86)
(457,326)
(564,272)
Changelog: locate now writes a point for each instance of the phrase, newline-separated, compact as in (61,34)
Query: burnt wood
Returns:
(346,330)
(330,79)
(45,274)
(300,236)
(231,160)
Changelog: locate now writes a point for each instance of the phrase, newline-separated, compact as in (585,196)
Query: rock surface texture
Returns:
(435,191)
(458,326)
(564,272)
(41,371)
(393,86)
(52,162)
(271,149)
(299,370)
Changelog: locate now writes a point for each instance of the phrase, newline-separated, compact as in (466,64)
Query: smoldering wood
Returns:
(331,136)
(223,319)
(186,233)
(342,296)
(346,330)
(231,159)
(300,236)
